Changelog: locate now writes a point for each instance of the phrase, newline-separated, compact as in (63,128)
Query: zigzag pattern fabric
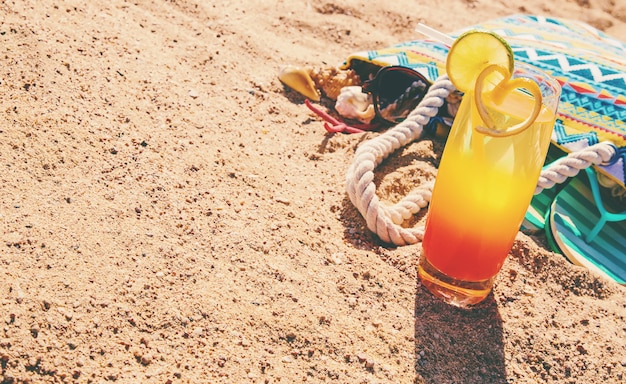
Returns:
(589,65)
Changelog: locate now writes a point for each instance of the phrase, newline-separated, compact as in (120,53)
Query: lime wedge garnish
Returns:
(474,51)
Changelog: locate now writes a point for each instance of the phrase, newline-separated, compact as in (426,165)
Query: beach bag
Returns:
(589,65)
(591,68)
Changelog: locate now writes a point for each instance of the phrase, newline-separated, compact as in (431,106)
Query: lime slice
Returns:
(474,51)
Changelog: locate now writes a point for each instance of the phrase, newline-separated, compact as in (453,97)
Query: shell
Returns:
(352,103)
(313,83)
(299,80)
(331,80)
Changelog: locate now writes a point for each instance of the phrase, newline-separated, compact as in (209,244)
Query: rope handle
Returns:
(568,166)
(385,220)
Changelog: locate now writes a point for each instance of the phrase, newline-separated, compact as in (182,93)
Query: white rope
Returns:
(385,220)
(569,166)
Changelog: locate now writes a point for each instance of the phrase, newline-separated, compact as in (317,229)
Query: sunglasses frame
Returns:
(373,87)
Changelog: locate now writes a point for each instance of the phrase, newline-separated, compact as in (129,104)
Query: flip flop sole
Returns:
(572,214)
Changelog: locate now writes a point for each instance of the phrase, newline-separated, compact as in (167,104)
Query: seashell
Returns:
(352,103)
(332,79)
(300,81)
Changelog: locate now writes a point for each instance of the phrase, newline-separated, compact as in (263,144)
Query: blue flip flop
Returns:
(585,231)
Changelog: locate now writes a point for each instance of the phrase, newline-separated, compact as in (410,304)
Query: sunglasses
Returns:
(396,91)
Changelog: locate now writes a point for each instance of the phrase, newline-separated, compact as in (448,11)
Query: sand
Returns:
(169,213)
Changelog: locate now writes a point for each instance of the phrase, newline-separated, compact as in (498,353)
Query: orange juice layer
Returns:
(482,191)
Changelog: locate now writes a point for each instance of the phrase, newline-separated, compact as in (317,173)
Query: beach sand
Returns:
(170,213)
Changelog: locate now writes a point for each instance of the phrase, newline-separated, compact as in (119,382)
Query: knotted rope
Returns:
(385,220)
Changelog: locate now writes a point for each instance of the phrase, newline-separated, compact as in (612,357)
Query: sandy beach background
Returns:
(169,213)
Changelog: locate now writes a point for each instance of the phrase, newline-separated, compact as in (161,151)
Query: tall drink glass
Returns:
(483,188)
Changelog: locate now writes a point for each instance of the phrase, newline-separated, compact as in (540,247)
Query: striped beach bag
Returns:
(585,218)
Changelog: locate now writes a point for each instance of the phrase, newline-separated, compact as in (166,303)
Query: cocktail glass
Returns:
(485,181)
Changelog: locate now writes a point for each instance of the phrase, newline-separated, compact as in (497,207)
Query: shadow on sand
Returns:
(454,345)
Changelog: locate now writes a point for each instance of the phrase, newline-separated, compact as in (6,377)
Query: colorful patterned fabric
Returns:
(589,65)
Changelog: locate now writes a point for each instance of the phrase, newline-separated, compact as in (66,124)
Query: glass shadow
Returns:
(454,345)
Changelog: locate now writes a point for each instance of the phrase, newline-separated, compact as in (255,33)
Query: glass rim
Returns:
(542,78)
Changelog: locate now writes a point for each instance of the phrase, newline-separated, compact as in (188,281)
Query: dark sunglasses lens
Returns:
(399,91)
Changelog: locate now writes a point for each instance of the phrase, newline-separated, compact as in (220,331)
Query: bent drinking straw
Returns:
(434,34)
